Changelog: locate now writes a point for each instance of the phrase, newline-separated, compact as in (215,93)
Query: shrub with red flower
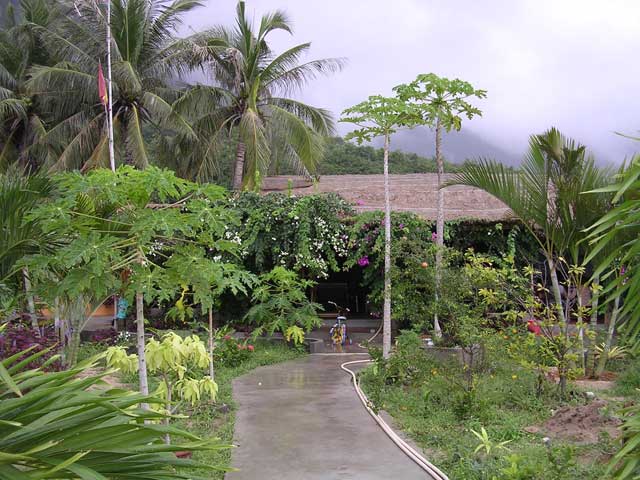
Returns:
(230,352)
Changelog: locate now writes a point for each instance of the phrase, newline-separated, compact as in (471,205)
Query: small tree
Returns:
(441,103)
(205,279)
(282,305)
(179,363)
(125,224)
(380,117)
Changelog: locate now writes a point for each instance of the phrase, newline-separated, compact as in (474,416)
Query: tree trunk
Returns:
(386,319)
(602,362)
(593,322)
(211,372)
(74,346)
(437,330)
(239,166)
(556,289)
(31,305)
(562,367)
(142,360)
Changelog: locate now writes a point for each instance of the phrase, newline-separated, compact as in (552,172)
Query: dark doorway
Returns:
(343,288)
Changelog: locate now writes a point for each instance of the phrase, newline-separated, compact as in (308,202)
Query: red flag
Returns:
(102,86)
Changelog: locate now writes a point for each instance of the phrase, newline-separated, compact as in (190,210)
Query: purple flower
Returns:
(359,202)
(401,226)
(363,261)
(434,236)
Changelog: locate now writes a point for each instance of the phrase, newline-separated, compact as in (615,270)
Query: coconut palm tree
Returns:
(248,100)
(145,63)
(22,122)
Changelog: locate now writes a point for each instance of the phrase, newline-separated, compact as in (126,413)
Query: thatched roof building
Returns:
(415,193)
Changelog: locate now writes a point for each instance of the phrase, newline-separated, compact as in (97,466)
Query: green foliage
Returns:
(625,464)
(615,249)
(440,100)
(342,157)
(480,286)
(426,405)
(179,362)
(229,352)
(20,235)
(146,60)
(66,425)
(281,303)
(377,116)
(305,234)
(486,445)
(134,231)
(628,382)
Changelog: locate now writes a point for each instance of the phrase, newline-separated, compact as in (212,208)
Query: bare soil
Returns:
(582,424)
(111,381)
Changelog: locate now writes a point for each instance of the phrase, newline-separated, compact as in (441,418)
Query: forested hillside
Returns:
(343,157)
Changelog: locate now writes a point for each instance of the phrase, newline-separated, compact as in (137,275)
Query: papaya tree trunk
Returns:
(386,318)
(437,330)
(239,165)
(142,360)
(211,371)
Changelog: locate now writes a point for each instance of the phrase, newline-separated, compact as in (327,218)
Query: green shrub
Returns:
(231,353)
(628,381)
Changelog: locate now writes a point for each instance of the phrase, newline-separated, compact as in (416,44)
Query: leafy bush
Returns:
(282,305)
(229,352)
(628,382)
(66,425)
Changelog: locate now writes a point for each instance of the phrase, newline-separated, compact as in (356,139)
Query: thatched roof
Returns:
(415,193)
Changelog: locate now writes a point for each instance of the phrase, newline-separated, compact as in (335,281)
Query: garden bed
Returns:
(544,437)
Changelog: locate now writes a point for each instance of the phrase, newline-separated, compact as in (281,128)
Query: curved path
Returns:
(302,420)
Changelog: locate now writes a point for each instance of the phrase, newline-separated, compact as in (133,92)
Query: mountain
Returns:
(456,146)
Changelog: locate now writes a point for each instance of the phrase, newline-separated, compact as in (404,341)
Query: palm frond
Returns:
(297,77)
(135,140)
(253,135)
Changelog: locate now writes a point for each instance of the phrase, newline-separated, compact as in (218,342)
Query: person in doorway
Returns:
(338,334)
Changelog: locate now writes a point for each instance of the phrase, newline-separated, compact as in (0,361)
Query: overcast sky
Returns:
(572,64)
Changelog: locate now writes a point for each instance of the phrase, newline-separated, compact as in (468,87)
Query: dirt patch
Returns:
(111,380)
(594,385)
(583,424)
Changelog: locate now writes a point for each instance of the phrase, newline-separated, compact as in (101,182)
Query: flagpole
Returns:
(112,160)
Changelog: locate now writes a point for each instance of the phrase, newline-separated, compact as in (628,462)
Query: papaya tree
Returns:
(121,227)
(441,103)
(380,116)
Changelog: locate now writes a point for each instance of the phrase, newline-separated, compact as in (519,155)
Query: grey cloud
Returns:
(566,63)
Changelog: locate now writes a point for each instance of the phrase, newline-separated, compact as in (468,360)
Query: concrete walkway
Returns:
(302,420)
